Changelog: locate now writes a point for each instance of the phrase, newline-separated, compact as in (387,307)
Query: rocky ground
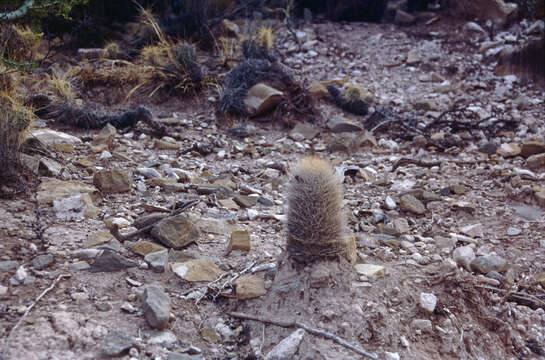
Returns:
(450,246)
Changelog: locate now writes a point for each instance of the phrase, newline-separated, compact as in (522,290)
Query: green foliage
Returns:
(42,8)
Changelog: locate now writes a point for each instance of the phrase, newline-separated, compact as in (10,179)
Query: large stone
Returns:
(487,263)
(106,136)
(176,232)
(50,137)
(529,148)
(48,167)
(113,181)
(197,270)
(156,306)
(157,260)
(53,189)
(409,203)
(261,98)
(413,57)
(249,286)
(340,124)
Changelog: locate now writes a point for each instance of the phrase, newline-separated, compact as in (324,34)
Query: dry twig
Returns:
(313,331)
(518,297)
(55,282)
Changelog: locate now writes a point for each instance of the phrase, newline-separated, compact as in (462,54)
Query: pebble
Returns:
(157,260)
(110,261)
(115,343)
(287,348)
(513,231)
(487,263)
(40,262)
(389,203)
(428,302)
(128,307)
(391,356)
(8,265)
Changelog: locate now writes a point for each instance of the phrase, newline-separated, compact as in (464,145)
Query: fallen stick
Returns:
(518,297)
(314,331)
(429,164)
(55,282)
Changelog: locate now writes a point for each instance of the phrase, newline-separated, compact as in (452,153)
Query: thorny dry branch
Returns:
(311,330)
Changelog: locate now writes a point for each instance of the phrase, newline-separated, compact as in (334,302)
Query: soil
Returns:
(475,317)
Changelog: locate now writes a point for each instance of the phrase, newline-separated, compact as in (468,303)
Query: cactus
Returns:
(316,223)
(187,57)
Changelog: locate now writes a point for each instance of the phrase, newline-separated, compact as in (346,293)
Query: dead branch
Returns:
(220,290)
(429,164)
(55,282)
(311,330)
(19,12)
(517,296)
(114,230)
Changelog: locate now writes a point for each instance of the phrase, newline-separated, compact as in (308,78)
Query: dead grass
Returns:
(15,119)
(60,85)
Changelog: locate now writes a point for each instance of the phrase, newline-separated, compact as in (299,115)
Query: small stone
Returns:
(70,208)
(513,231)
(144,247)
(245,201)
(306,131)
(113,181)
(529,148)
(496,276)
(508,150)
(157,260)
(487,263)
(176,232)
(40,262)
(197,270)
(463,256)
(458,189)
(240,240)
(475,230)
(128,308)
(369,270)
(287,348)
(536,161)
(116,343)
(401,226)
(540,278)
(413,57)
(249,286)
(409,203)
(111,261)
(389,203)
(261,98)
(3,291)
(180,356)
(21,274)
(79,266)
(156,306)
(391,356)
(149,173)
(424,325)
(428,302)
(98,238)
(316,89)
(229,204)
(165,338)
(8,265)
(53,189)
(340,124)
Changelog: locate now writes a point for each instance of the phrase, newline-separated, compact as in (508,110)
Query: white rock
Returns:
(50,137)
(369,270)
(286,349)
(463,256)
(21,274)
(3,290)
(389,203)
(428,301)
(105,155)
(391,356)
(475,230)
(70,208)
(163,338)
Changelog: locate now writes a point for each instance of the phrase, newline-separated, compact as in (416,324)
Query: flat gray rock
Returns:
(111,261)
(116,343)
(156,306)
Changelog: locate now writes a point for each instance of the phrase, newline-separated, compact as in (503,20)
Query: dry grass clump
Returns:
(112,50)
(18,43)
(61,87)
(265,37)
(15,119)
(154,55)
